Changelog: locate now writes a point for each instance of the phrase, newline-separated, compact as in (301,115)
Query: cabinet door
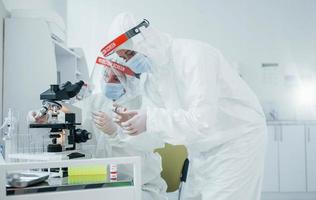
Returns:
(271,168)
(311,158)
(292,159)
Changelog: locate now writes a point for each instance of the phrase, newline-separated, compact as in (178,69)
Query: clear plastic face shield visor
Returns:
(110,76)
(117,72)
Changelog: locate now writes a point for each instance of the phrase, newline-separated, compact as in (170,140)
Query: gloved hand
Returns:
(32,117)
(104,122)
(137,124)
(120,115)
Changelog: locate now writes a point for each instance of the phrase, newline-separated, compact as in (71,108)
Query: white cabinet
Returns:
(33,61)
(285,166)
(3,14)
(292,159)
(271,171)
(29,65)
(311,158)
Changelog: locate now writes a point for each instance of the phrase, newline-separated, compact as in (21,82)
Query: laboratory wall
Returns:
(271,43)
(3,13)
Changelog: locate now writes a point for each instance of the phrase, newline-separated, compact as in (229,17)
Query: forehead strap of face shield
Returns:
(116,66)
(107,49)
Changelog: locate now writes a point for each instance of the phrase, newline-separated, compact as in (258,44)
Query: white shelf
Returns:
(62,50)
(132,192)
(291,122)
(36,156)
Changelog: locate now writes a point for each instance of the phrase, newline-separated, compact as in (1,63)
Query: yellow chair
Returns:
(174,166)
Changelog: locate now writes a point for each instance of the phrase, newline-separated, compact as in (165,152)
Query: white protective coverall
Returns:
(153,186)
(194,97)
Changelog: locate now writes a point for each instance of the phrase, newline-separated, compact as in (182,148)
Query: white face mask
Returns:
(113,91)
(139,63)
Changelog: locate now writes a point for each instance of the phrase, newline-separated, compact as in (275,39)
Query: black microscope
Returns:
(54,101)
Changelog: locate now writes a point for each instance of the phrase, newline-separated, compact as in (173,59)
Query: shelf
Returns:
(62,50)
(291,122)
(70,184)
(127,185)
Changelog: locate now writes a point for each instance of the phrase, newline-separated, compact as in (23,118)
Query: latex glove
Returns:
(137,124)
(120,114)
(104,122)
(32,117)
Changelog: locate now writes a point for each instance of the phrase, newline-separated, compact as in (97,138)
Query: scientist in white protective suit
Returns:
(108,139)
(195,98)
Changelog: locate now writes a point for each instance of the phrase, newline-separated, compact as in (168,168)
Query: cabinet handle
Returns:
(281,136)
(276,138)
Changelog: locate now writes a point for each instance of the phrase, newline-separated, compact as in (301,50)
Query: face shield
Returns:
(117,72)
(123,38)
(148,40)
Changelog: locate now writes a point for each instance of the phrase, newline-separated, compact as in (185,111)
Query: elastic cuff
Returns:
(118,135)
(114,135)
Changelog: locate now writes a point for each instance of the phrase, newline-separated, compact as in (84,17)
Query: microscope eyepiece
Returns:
(73,89)
(63,92)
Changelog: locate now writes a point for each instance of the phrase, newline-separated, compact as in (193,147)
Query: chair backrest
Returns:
(173,157)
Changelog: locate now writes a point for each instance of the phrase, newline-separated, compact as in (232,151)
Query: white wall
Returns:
(246,31)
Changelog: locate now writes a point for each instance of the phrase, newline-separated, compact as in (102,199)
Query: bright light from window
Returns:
(306,94)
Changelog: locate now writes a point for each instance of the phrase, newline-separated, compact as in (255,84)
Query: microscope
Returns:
(63,133)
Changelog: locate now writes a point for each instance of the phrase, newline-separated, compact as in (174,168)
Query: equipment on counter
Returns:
(63,131)
(24,179)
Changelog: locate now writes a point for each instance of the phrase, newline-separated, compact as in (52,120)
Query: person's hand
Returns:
(121,114)
(33,117)
(104,122)
(137,124)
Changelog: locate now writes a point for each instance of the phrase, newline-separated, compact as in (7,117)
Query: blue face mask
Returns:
(139,63)
(113,91)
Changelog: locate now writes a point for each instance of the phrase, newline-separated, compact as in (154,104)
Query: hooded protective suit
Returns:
(102,145)
(195,98)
